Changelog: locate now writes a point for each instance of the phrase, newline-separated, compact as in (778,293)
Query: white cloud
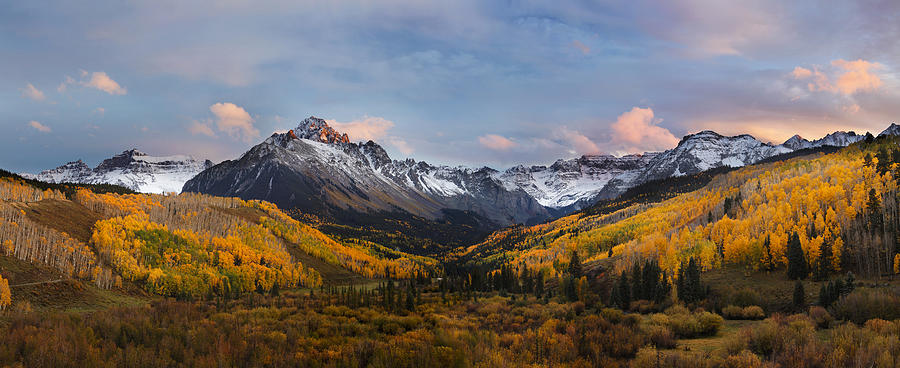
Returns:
(366,128)
(234,121)
(103,82)
(637,131)
(31,92)
(39,127)
(496,142)
(99,111)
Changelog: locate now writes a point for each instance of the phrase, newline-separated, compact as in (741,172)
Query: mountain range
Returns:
(317,169)
(132,169)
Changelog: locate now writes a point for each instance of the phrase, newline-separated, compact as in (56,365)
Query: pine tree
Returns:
(884,161)
(799,295)
(874,207)
(824,267)
(797,266)
(621,293)
(575,265)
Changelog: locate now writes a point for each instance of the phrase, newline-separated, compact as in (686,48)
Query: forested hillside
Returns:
(838,209)
(187,245)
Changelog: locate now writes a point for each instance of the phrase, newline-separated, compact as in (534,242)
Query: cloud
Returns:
(30,91)
(39,127)
(852,108)
(857,76)
(99,111)
(103,82)
(401,145)
(65,84)
(801,73)
(234,121)
(367,128)
(496,142)
(847,77)
(582,47)
(580,143)
(637,131)
(198,127)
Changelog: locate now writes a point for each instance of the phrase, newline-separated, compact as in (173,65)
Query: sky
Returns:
(468,82)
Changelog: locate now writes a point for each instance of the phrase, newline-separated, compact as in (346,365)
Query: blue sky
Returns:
(462,82)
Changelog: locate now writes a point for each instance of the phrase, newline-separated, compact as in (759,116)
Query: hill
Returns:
(187,245)
(843,200)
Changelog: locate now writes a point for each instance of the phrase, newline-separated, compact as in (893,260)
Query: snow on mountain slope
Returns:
(836,139)
(315,168)
(132,169)
(568,182)
(706,150)
(893,129)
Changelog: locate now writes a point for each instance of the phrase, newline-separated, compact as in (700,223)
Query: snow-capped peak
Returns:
(894,129)
(797,142)
(133,169)
(316,129)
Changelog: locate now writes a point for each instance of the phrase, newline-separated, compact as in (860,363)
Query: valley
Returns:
(644,277)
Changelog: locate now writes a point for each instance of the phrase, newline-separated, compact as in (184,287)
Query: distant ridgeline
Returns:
(187,245)
(838,206)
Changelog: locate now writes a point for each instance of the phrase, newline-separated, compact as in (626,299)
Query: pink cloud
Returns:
(203,128)
(636,131)
(234,121)
(366,128)
(847,77)
(103,82)
(496,142)
(801,73)
(581,47)
(39,127)
(857,76)
(33,93)
(580,143)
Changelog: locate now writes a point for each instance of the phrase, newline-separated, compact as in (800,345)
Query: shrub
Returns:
(733,312)
(746,297)
(744,359)
(612,315)
(710,323)
(676,310)
(820,316)
(863,305)
(753,312)
(661,337)
(750,312)
(736,342)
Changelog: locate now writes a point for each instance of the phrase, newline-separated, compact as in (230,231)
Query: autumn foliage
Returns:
(841,206)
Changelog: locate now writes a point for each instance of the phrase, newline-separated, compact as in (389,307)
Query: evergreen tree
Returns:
(884,161)
(539,284)
(575,265)
(768,259)
(621,293)
(637,288)
(824,267)
(874,207)
(690,288)
(797,266)
(799,295)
